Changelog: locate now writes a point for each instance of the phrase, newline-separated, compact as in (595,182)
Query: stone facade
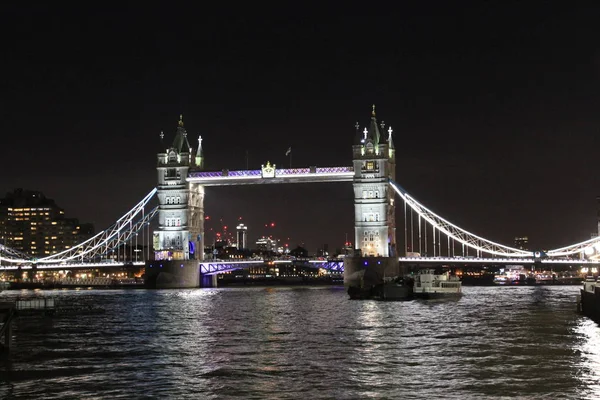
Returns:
(181,205)
(374,216)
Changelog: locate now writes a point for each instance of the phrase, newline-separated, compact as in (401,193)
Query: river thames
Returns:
(305,342)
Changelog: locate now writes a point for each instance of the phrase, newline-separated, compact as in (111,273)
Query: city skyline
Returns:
(498,139)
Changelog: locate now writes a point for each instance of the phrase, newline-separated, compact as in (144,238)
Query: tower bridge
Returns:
(180,192)
(178,242)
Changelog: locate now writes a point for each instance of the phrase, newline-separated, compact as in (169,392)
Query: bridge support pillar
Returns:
(209,281)
(361,274)
(172,274)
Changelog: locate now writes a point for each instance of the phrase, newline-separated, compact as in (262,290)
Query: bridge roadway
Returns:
(337,265)
(265,175)
(334,265)
(42,267)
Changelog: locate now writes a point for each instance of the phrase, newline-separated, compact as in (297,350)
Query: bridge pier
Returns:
(172,274)
(208,281)
(363,273)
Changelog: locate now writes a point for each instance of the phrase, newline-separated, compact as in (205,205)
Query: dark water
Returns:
(278,343)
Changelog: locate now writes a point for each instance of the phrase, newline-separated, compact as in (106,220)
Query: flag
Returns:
(287,153)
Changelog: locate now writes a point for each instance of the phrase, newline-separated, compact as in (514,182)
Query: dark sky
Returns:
(495,106)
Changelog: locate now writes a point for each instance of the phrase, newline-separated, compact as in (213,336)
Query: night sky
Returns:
(495,107)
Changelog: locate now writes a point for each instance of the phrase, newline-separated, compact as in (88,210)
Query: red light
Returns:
(272,224)
(207,217)
(225,227)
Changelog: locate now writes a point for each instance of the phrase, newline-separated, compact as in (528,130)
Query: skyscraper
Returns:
(242,236)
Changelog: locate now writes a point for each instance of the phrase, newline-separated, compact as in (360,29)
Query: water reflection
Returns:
(518,342)
(587,348)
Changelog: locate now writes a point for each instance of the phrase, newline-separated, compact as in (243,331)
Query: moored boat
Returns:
(428,285)
(590,299)
(394,289)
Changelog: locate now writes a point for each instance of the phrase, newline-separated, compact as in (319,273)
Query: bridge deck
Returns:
(261,176)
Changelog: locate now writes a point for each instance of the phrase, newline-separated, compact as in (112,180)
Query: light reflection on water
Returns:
(494,342)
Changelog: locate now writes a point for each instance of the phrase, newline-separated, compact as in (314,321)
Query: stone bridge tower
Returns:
(374,159)
(374,165)
(178,242)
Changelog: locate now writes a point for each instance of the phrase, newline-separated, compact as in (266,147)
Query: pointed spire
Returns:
(389,140)
(199,155)
(162,136)
(181,143)
(374,131)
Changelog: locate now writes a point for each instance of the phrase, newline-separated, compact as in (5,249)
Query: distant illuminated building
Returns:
(34,224)
(598,213)
(522,242)
(242,236)
(266,244)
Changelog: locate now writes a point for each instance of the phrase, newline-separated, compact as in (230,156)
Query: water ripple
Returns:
(285,343)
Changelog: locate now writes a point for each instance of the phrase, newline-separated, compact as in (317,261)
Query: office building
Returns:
(33,224)
(242,236)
